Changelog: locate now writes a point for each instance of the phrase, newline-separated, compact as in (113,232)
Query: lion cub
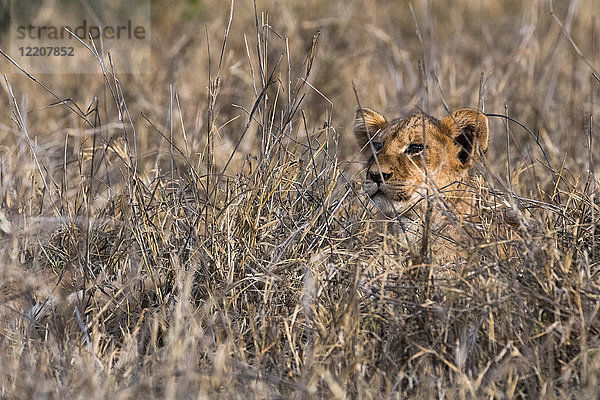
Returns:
(419,163)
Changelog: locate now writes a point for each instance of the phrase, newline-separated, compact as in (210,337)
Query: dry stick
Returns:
(423,258)
(135,158)
(250,65)
(311,154)
(96,54)
(214,86)
(185,139)
(209,136)
(506,126)
(590,184)
(480,99)
(87,199)
(439,85)
(225,38)
(171,141)
(591,173)
(424,70)
(595,73)
(87,339)
(64,184)
(265,113)
(190,166)
(120,103)
(324,97)
(289,81)
(105,144)
(269,130)
(423,60)
(261,65)
(258,51)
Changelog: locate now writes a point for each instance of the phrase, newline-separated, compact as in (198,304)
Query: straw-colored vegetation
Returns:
(200,231)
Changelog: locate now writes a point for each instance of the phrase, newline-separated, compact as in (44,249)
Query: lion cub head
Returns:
(408,156)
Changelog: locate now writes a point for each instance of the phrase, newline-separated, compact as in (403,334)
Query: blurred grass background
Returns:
(275,281)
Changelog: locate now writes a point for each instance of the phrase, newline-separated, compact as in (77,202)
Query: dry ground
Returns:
(209,239)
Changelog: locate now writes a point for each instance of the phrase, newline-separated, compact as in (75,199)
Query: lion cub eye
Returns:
(413,149)
(377,145)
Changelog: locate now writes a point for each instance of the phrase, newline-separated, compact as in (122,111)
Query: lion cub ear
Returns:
(366,124)
(469,129)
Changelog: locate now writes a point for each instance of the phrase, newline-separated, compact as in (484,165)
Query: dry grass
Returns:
(209,239)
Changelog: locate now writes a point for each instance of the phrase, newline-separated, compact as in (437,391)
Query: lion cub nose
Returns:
(376,176)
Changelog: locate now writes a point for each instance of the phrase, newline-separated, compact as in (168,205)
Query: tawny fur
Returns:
(420,163)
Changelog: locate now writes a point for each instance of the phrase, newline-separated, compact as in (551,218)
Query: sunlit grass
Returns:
(203,233)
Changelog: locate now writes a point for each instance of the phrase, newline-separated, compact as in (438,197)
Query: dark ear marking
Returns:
(469,130)
(465,141)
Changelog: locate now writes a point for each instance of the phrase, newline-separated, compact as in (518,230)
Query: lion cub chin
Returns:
(416,166)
